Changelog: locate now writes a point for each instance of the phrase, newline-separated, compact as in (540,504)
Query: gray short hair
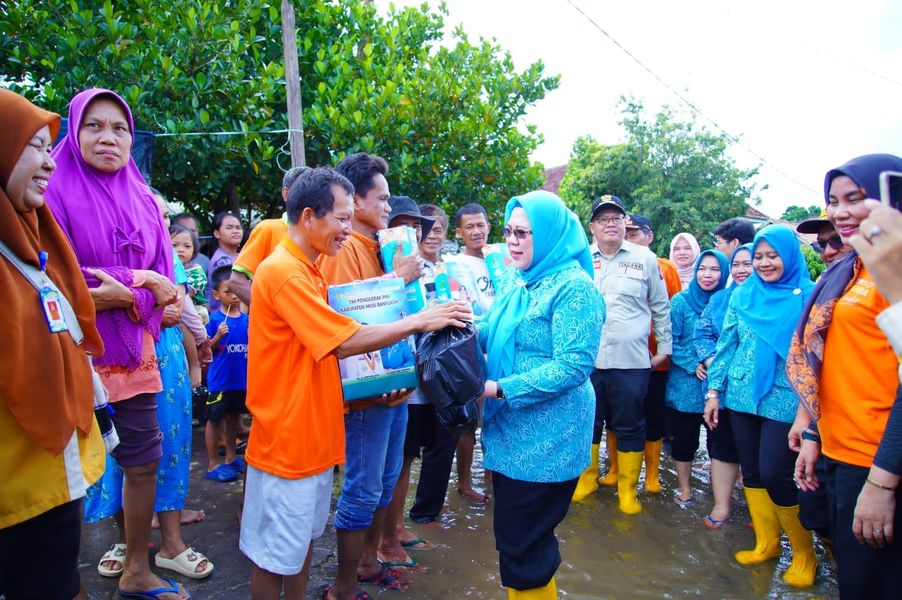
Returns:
(292,174)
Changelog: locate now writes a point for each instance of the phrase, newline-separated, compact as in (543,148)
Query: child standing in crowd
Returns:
(685,391)
(186,247)
(226,378)
(227,236)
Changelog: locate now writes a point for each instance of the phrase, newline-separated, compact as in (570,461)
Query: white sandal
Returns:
(186,563)
(116,553)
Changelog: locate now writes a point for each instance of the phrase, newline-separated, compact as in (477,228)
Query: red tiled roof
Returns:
(553,177)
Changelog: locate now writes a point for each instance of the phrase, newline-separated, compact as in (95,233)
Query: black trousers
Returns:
(39,557)
(620,406)
(814,506)
(686,428)
(526,515)
(435,472)
(767,462)
(863,572)
(655,407)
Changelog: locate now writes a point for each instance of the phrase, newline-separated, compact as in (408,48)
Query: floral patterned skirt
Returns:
(104,498)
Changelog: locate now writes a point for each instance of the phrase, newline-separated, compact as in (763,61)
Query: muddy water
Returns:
(664,552)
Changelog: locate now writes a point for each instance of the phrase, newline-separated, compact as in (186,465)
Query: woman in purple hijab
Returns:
(111,219)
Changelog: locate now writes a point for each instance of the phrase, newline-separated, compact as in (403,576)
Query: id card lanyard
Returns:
(50,300)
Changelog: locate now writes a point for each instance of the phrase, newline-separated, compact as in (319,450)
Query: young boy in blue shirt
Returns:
(226,378)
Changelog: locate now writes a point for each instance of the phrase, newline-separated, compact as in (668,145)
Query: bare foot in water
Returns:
(473,494)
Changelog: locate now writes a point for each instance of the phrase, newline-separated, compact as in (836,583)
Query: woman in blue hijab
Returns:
(541,336)
(750,363)
(685,395)
(725,469)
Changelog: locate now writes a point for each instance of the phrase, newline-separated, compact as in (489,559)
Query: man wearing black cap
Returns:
(635,294)
(639,231)
(829,244)
(404,211)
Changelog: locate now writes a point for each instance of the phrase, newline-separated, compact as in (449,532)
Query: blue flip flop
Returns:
(222,473)
(154,594)
(398,563)
(238,465)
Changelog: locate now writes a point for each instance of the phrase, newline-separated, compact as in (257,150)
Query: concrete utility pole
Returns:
(293,85)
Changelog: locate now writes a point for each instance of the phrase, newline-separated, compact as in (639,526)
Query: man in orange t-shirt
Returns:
(294,386)
(639,231)
(374,431)
(263,240)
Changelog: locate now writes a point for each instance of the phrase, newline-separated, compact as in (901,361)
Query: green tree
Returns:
(816,266)
(448,118)
(795,214)
(672,170)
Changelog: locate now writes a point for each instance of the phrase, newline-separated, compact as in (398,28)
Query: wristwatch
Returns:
(499,393)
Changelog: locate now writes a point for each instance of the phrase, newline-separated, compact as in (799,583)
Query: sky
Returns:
(804,85)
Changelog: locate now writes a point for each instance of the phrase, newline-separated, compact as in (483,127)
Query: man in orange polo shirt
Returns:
(294,386)
(639,231)
(374,431)
(263,240)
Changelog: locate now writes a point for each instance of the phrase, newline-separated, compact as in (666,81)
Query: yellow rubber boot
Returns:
(766,525)
(547,592)
(652,466)
(802,570)
(630,464)
(588,481)
(611,477)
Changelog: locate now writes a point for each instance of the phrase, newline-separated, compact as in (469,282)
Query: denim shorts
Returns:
(374,453)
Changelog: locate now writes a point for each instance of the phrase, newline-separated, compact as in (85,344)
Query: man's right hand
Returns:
(409,267)
(444,315)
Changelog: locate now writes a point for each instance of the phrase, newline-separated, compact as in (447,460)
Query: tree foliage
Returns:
(448,118)
(813,261)
(796,214)
(673,171)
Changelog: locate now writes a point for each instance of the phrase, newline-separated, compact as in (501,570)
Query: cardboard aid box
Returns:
(372,302)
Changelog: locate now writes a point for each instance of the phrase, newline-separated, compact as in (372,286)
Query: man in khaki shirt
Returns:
(635,294)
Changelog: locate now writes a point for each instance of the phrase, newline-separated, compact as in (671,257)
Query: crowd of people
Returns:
(116,317)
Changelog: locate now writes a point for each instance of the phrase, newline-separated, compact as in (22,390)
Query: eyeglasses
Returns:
(518,233)
(609,220)
(834,241)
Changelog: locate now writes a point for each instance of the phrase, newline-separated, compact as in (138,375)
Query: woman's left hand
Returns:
(872,522)
(491,389)
(171,316)
(163,290)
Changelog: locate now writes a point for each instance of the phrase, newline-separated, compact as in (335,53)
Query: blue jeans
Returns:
(374,453)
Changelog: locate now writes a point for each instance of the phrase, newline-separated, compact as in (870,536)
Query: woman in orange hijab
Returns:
(51,445)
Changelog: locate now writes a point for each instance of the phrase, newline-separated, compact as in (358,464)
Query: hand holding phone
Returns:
(891,189)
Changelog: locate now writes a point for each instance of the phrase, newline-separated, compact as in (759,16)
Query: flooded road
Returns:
(665,552)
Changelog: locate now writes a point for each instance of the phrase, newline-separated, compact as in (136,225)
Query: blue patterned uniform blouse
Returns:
(733,368)
(685,391)
(705,338)
(542,430)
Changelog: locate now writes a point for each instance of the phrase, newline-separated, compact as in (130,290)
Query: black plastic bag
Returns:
(451,370)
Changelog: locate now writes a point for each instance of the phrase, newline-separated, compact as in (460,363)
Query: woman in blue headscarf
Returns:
(848,382)
(708,327)
(541,335)
(750,362)
(685,395)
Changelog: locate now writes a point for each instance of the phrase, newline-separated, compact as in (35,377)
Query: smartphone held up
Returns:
(891,189)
